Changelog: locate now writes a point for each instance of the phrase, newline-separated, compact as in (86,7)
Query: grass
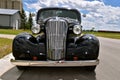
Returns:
(101,34)
(5,46)
(13,32)
(105,34)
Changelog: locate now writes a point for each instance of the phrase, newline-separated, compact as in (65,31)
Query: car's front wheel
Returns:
(21,67)
(90,68)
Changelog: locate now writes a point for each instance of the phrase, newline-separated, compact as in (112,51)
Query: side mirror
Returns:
(84,15)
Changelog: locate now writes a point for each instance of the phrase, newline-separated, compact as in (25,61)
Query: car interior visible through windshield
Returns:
(58,13)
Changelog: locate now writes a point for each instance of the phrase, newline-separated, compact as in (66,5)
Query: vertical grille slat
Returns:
(56,32)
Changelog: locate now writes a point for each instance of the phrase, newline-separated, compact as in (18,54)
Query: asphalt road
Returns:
(108,69)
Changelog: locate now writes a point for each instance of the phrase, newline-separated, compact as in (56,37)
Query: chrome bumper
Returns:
(55,63)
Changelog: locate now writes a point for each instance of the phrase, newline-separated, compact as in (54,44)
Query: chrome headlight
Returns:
(77,29)
(36,29)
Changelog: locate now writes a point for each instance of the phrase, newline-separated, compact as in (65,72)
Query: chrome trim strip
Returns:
(55,63)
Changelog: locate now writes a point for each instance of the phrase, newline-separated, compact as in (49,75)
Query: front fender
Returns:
(25,47)
(85,47)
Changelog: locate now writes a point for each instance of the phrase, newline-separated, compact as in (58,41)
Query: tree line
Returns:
(26,22)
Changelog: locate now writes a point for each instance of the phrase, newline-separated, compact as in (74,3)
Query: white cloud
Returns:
(33,6)
(106,17)
(100,16)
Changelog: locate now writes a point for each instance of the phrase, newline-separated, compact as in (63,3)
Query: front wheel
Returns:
(90,68)
(21,67)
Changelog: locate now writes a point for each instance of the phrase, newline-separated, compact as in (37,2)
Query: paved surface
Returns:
(5,64)
(7,36)
(108,69)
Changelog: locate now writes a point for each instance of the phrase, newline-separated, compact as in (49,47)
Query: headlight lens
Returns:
(35,29)
(77,29)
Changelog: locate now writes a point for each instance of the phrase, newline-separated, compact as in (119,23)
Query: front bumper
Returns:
(55,63)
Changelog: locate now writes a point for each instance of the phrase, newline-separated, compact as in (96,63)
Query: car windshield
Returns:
(58,13)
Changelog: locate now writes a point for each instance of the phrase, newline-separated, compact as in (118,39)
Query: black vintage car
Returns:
(60,42)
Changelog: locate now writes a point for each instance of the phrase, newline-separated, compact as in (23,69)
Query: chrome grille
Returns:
(56,32)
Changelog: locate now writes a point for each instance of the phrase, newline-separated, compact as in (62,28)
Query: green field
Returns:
(5,46)
(101,34)
(13,32)
(105,34)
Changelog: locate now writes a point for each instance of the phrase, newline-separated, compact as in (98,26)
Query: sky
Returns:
(100,14)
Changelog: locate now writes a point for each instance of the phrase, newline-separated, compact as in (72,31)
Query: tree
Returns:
(23,19)
(92,29)
(30,20)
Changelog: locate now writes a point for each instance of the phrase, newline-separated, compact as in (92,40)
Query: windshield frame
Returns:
(45,9)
